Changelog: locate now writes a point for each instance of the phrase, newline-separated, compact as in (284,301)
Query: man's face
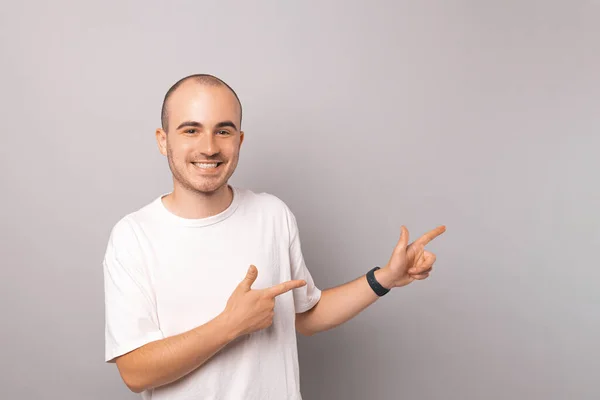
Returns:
(203,126)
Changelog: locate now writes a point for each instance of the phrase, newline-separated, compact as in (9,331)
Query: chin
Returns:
(208,187)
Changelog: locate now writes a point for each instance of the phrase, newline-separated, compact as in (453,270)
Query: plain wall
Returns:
(362,116)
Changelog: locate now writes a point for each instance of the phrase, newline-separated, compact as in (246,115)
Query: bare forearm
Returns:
(164,361)
(340,304)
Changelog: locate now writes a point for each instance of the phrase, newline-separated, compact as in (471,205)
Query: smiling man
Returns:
(206,286)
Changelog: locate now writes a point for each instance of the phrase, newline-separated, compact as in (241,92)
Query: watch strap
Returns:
(377,288)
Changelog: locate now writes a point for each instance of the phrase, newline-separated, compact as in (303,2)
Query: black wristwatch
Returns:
(377,288)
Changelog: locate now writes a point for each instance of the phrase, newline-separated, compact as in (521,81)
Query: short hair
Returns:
(203,79)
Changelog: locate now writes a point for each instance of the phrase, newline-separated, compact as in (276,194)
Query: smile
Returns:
(207,166)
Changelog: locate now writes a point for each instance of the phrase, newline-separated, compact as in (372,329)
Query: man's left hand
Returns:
(409,262)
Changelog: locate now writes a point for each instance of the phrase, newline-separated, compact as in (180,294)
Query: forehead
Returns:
(207,104)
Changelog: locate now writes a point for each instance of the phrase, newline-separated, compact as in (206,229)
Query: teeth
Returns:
(202,165)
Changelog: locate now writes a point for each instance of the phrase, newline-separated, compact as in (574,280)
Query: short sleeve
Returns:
(307,296)
(130,308)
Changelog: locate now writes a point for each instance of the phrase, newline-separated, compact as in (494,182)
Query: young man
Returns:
(206,286)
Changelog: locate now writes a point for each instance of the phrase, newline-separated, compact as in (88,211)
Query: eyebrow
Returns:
(196,124)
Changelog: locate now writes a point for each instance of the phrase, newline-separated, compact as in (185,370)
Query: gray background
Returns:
(362,116)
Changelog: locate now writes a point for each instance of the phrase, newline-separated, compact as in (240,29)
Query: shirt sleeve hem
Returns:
(307,306)
(112,352)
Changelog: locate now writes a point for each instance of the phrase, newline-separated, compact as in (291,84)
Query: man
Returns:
(206,286)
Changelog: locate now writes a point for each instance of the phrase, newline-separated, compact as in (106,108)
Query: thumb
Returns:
(249,278)
(403,241)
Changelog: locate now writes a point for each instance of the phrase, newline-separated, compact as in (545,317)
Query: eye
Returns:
(223,132)
(190,131)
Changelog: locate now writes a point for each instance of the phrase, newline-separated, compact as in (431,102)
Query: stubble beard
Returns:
(208,185)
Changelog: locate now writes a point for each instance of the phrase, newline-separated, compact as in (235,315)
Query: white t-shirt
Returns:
(165,275)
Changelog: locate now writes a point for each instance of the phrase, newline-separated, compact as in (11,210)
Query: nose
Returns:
(208,145)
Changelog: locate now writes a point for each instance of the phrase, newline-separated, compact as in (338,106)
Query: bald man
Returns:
(206,286)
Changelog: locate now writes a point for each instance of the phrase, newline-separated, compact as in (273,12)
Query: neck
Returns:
(186,203)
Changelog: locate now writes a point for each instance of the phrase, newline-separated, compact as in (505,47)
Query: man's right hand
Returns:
(251,310)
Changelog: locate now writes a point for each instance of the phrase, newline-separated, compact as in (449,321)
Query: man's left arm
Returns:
(342,303)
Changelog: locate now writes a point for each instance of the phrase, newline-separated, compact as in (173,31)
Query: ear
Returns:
(241,138)
(161,141)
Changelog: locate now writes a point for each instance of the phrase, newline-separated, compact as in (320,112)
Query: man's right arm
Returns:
(166,360)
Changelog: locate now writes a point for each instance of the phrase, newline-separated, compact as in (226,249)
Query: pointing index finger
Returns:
(284,287)
(432,234)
